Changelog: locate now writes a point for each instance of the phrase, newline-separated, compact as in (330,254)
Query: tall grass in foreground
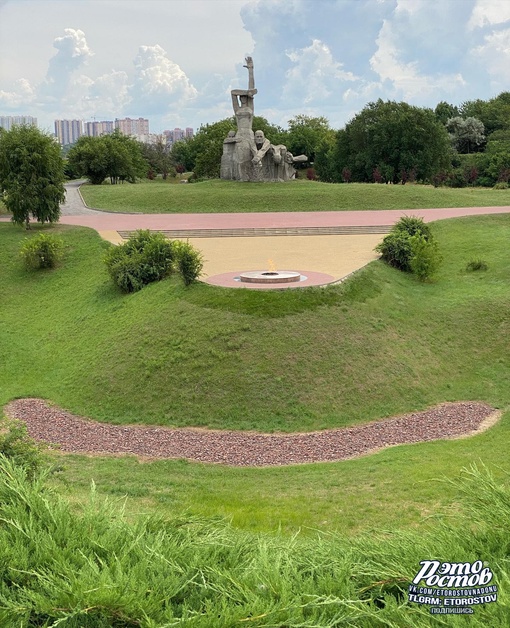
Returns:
(95,569)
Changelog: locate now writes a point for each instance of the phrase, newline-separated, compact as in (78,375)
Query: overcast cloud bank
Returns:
(175,62)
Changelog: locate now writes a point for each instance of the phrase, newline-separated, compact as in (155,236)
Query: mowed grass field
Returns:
(381,344)
(160,196)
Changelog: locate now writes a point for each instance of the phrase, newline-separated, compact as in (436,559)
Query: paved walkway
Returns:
(334,255)
(74,213)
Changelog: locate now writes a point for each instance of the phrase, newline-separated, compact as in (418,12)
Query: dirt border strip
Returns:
(74,434)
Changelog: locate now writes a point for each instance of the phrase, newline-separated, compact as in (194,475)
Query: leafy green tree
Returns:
(158,157)
(444,112)
(116,156)
(467,134)
(499,166)
(31,175)
(494,113)
(307,135)
(397,139)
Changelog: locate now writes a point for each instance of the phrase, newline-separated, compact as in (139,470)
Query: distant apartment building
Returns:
(133,126)
(178,134)
(7,122)
(68,131)
(98,128)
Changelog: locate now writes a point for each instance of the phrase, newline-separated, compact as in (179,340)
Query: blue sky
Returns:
(175,61)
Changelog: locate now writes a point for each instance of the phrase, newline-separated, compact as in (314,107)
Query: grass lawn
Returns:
(379,345)
(160,196)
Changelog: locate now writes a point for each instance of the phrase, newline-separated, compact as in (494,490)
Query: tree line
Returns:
(390,142)
(387,142)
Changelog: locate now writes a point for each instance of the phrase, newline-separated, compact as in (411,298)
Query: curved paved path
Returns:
(75,213)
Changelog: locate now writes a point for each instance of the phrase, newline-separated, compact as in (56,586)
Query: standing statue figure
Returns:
(243,105)
(249,156)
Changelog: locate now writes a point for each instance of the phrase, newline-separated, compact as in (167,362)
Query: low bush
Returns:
(413,225)
(501,185)
(146,257)
(188,260)
(410,247)
(17,446)
(476,264)
(425,259)
(42,251)
(396,250)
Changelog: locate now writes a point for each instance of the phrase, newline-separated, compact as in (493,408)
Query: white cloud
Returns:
(411,6)
(158,80)
(107,95)
(495,54)
(22,94)
(72,53)
(489,12)
(405,77)
(315,75)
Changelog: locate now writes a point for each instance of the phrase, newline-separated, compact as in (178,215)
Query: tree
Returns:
(158,157)
(395,138)
(31,175)
(444,111)
(116,156)
(494,113)
(467,134)
(308,135)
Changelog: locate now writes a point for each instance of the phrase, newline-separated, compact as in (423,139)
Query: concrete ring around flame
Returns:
(270,280)
(270,276)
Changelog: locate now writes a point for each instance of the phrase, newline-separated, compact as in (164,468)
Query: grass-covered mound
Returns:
(95,569)
(379,345)
(159,196)
(297,360)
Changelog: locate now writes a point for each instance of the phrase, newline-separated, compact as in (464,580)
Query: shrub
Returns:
(412,225)
(425,259)
(16,445)
(476,264)
(439,178)
(411,238)
(501,185)
(146,257)
(42,251)
(396,250)
(457,180)
(346,175)
(189,261)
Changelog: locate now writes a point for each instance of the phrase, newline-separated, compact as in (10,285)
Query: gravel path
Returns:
(79,435)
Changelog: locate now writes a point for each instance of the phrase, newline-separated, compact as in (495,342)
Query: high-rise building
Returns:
(7,122)
(131,126)
(68,131)
(96,128)
(178,134)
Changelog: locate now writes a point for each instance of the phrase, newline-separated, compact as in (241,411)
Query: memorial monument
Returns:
(249,156)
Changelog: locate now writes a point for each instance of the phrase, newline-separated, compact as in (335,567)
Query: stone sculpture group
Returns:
(249,156)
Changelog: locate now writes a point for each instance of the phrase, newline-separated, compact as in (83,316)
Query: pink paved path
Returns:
(114,221)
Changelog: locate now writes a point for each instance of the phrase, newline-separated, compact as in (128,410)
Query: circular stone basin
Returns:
(264,276)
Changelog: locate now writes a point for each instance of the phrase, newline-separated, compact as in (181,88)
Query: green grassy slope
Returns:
(301,195)
(381,344)
(297,360)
